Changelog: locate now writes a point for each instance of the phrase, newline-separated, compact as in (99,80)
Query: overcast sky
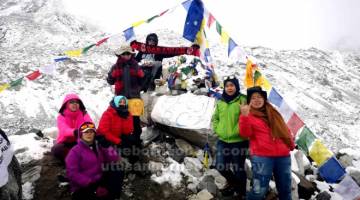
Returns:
(279,24)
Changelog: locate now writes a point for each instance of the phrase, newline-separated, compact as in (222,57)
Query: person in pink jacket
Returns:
(71,115)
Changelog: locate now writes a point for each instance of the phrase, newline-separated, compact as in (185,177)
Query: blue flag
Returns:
(193,20)
(129,33)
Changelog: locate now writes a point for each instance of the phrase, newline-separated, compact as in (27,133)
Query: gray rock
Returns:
(305,188)
(149,103)
(13,189)
(194,166)
(149,134)
(219,180)
(192,187)
(207,182)
(204,195)
(155,167)
(346,160)
(354,173)
(195,137)
(185,147)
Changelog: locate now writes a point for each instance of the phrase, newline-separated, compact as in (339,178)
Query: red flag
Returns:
(102,41)
(295,123)
(161,14)
(211,20)
(34,75)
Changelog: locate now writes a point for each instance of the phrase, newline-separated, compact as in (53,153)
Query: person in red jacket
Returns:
(126,74)
(270,145)
(116,121)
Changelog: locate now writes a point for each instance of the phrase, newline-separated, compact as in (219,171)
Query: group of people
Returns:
(241,122)
(250,121)
(85,149)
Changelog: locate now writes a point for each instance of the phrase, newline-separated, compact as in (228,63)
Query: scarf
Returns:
(275,121)
(122,111)
(151,49)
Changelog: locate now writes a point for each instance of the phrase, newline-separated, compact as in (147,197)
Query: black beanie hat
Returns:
(152,36)
(235,81)
(252,90)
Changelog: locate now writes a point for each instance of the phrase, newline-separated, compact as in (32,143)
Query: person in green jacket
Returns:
(231,149)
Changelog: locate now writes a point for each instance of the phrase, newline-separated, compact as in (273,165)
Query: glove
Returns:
(102,141)
(76,133)
(101,192)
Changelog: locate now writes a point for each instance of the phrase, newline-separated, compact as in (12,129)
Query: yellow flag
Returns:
(263,82)
(319,153)
(136,24)
(248,80)
(224,37)
(136,107)
(74,53)
(200,36)
(4,87)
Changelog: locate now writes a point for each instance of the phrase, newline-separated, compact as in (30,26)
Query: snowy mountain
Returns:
(321,86)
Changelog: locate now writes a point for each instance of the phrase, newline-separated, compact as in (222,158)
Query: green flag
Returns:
(86,49)
(151,18)
(306,138)
(218,28)
(16,82)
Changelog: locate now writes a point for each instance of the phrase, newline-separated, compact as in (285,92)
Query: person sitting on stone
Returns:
(71,115)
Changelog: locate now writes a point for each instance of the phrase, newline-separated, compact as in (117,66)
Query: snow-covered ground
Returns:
(321,86)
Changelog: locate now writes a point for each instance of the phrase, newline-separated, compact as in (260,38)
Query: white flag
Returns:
(48,69)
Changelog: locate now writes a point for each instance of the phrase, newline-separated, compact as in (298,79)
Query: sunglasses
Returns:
(74,102)
(228,77)
(85,126)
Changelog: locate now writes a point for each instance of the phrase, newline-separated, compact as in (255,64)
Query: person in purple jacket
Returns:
(71,115)
(85,168)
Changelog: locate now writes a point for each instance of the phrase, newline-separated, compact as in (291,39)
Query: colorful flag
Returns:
(348,188)
(151,18)
(248,80)
(218,27)
(86,49)
(285,111)
(319,153)
(275,98)
(73,53)
(231,46)
(305,140)
(48,69)
(186,4)
(129,33)
(331,170)
(34,75)
(224,37)
(210,20)
(136,24)
(161,14)
(4,87)
(194,19)
(61,59)
(102,41)
(294,124)
(16,82)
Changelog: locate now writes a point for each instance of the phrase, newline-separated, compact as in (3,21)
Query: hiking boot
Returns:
(62,179)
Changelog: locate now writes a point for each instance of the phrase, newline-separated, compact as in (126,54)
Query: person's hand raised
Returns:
(245,109)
